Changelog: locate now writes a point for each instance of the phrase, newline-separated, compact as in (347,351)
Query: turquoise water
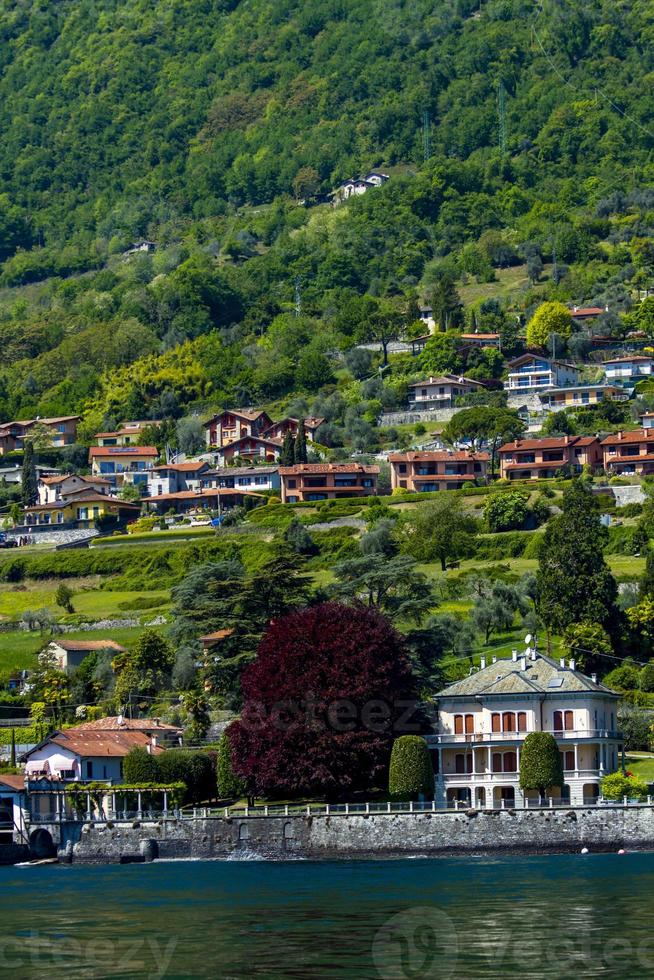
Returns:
(554,916)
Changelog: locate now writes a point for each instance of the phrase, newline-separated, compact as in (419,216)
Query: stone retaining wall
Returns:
(362,836)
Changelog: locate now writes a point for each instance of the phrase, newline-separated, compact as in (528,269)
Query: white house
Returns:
(628,370)
(252,478)
(355,186)
(484,719)
(176,477)
(13,809)
(441,392)
(79,754)
(71,653)
(533,372)
(50,489)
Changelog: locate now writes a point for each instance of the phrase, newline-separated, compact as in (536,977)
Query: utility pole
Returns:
(298,296)
(426,135)
(501,115)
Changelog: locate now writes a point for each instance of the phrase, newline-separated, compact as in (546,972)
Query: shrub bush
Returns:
(410,774)
(140,767)
(195,769)
(230,786)
(618,785)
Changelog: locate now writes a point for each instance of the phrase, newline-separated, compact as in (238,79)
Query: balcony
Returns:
(480,738)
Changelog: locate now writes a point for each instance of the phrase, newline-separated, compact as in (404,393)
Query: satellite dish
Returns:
(528,639)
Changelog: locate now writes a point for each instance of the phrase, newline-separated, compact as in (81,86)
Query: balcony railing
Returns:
(448,778)
(471,738)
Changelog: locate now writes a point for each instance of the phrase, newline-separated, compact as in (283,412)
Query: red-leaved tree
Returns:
(330,690)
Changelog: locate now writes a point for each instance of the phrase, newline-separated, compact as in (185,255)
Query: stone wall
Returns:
(357,836)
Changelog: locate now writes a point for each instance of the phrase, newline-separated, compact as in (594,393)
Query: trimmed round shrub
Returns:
(411,773)
(618,785)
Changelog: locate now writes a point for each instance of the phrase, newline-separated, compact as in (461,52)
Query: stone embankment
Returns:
(375,835)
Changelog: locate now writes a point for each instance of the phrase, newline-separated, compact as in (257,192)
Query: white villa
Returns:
(484,719)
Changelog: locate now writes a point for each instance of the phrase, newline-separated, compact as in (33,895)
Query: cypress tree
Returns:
(647,581)
(29,475)
(287,456)
(300,443)
(574,583)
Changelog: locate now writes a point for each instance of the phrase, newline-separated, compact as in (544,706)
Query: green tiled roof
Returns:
(542,675)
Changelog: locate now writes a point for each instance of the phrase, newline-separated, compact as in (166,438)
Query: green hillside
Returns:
(200,124)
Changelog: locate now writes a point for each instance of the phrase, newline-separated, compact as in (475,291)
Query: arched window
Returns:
(459,762)
(510,762)
(458,724)
(470,724)
(508,721)
(558,721)
(496,722)
(568,761)
(569,720)
(522,721)
(497,762)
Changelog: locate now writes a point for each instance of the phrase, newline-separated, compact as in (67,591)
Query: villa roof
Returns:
(123,451)
(540,357)
(541,675)
(265,440)
(189,467)
(14,781)
(309,468)
(628,360)
(629,438)
(555,442)
(88,498)
(121,724)
(447,379)
(95,744)
(250,414)
(74,645)
(67,476)
(437,456)
(45,421)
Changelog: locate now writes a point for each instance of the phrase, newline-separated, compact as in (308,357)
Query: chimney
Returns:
(572,665)
(620,435)
(593,678)
(566,440)
(494,659)
(523,663)
(153,741)
(533,653)
(514,656)
(562,663)
(482,663)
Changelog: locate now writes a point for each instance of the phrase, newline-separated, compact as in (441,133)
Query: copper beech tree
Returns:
(330,690)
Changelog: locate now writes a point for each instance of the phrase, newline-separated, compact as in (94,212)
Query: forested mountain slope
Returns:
(198,124)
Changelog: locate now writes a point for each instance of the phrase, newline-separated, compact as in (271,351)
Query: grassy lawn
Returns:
(18,649)
(641,764)
(87,601)
(153,537)
(508,282)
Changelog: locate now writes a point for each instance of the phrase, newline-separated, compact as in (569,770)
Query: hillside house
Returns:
(61,431)
(543,459)
(176,477)
(327,481)
(70,653)
(142,247)
(481,339)
(441,392)
(436,470)
(245,478)
(289,425)
(586,314)
(426,316)
(80,510)
(355,186)
(577,395)
(194,501)
(629,453)
(228,426)
(647,420)
(128,434)
(484,719)
(531,372)
(121,465)
(250,448)
(154,728)
(627,371)
(52,489)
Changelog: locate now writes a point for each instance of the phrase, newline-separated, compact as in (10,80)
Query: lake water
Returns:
(554,916)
